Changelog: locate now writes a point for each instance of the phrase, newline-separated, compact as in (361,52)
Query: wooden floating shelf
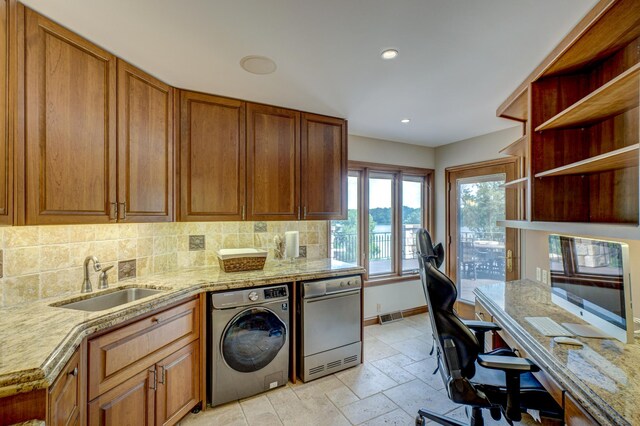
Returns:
(517,148)
(515,184)
(516,107)
(618,159)
(606,28)
(617,96)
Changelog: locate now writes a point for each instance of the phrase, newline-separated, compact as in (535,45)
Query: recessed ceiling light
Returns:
(258,64)
(389,53)
(405,120)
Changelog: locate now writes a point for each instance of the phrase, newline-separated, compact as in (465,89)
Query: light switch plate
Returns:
(545,276)
(538,274)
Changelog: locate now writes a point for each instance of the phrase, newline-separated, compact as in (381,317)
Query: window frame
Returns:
(363,170)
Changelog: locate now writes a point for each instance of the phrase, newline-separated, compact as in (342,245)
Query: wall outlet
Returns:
(538,274)
(378,308)
(545,276)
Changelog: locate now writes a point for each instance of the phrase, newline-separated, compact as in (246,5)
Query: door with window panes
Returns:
(479,251)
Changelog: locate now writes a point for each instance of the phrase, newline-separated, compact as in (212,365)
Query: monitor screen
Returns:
(590,274)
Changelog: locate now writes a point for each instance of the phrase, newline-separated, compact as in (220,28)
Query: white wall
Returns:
(404,295)
(480,148)
(387,152)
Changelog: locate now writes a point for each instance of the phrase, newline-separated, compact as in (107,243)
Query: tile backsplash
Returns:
(43,261)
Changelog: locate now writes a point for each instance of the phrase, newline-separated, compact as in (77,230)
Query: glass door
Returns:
(479,251)
(481,243)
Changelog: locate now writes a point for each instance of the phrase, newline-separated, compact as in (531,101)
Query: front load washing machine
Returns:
(249,342)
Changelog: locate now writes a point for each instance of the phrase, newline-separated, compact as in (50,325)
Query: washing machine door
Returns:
(252,339)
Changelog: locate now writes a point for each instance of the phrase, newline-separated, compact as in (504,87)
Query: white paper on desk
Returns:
(536,415)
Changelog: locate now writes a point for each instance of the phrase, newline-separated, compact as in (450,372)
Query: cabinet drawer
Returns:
(575,415)
(119,354)
(64,395)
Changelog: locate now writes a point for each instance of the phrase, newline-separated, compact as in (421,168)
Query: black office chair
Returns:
(498,380)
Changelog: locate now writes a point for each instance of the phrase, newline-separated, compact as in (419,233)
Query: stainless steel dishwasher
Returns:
(331,320)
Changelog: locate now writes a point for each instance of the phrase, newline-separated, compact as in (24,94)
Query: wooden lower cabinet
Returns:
(178,384)
(160,395)
(574,414)
(148,371)
(65,395)
(129,404)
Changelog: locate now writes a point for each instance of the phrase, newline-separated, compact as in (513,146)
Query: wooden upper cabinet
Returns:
(70,121)
(212,158)
(324,167)
(273,163)
(145,147)
(7,106)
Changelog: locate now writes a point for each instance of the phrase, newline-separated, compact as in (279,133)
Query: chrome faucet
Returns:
(86,285)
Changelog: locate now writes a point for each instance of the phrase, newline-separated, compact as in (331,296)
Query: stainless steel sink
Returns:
(109,300)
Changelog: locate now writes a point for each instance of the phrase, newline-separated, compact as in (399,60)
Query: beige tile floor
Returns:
(388,389)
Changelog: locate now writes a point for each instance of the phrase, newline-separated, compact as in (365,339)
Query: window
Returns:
(386,207)
(344,242)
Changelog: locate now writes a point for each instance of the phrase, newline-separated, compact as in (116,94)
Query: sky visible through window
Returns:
(380,195)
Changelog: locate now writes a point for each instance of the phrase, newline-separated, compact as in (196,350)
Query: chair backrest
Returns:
(457,346)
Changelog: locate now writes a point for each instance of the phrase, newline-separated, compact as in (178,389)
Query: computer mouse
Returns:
(567,341)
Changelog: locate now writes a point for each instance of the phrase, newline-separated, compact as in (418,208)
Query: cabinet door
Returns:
(324,167)
(273,169)
(64,395)
(7,106)
(178,384)
(70,125)
(212,158)
(128,404)
(145,147)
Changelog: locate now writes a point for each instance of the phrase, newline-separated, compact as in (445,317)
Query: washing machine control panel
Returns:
(275,293)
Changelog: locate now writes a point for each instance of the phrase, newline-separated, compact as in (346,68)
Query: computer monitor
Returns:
(590,278)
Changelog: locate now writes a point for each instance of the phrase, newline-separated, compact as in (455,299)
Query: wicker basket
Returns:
(237,260)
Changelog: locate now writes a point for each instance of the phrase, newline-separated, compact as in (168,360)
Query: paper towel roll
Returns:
(292,244)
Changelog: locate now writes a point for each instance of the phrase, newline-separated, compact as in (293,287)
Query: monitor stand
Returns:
(585,330)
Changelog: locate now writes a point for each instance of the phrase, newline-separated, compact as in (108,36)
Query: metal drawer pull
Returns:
(155,320)
(73,372)
(115,211)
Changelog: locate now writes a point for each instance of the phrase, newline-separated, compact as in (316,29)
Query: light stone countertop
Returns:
(603,375)
(36,339)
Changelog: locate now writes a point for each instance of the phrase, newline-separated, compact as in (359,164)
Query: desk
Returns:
(597,383)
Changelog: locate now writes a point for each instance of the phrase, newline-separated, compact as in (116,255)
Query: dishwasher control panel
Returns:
(330,286)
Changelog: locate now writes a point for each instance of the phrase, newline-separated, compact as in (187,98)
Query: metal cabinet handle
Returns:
(155,320)
(304,214)
(243,212)
(509,261)
(161,381)
(124,210)
(73,372)
(298,212)
(154,382)
(114,207)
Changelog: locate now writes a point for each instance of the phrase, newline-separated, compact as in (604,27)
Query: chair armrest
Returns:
(483,326)
(513,368)
(507,363)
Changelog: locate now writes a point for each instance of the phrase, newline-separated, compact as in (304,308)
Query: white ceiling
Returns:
(458,59)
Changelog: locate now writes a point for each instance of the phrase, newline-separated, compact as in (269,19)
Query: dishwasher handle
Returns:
(341,293)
